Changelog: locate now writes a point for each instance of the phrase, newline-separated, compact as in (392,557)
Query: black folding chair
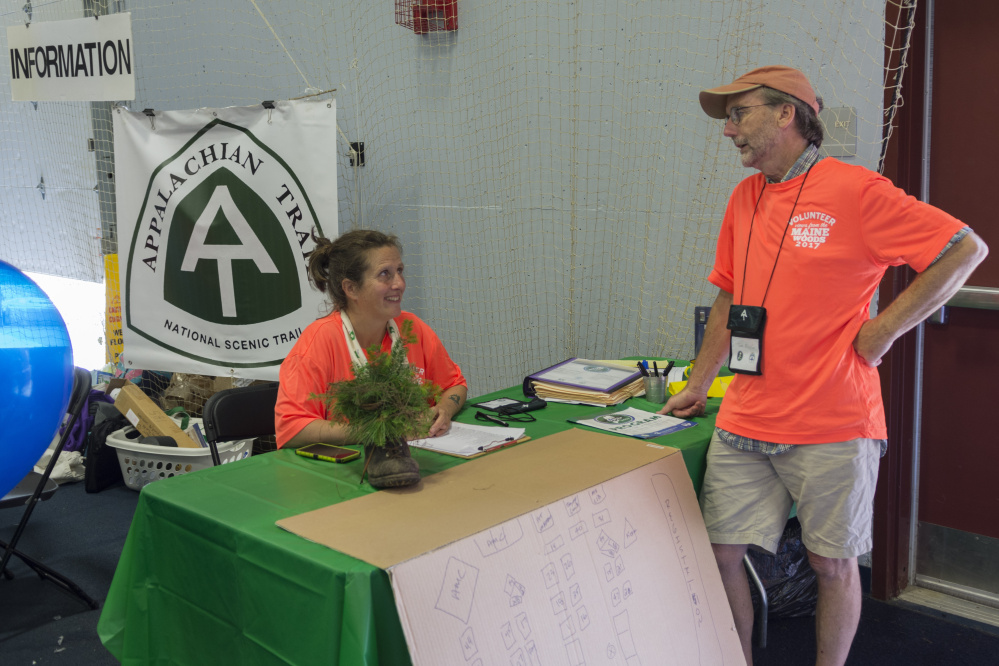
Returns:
(39,486)
(239,413)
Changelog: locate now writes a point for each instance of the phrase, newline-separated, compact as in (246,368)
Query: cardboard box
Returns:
(577,548)
(147,417)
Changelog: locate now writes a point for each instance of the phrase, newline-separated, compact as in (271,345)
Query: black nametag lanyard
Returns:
(748,322)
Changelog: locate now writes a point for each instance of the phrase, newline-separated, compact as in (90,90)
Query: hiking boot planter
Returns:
(386,403)
(391,466)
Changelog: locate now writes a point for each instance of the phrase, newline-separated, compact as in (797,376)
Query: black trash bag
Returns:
(787,577)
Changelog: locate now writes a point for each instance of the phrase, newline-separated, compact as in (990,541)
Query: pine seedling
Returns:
(386,400)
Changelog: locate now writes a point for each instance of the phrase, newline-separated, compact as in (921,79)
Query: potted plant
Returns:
(385,404)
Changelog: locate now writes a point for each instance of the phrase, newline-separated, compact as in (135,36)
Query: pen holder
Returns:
(655,389)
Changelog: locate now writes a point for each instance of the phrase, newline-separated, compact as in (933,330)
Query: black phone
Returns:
(328,452)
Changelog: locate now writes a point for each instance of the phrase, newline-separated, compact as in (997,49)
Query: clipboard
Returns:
(461,441)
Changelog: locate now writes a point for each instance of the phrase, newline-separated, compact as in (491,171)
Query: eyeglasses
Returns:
(736,113)
(502,418)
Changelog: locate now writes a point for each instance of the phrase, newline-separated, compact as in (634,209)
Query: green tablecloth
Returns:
(206,577)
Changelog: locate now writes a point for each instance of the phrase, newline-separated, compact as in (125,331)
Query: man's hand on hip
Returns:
(870,345)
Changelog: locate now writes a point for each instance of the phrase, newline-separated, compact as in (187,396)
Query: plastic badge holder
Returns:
(142,464)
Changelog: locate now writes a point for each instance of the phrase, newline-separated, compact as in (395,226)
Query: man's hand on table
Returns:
(686,404)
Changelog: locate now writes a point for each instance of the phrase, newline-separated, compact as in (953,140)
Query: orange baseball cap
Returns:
(785,79)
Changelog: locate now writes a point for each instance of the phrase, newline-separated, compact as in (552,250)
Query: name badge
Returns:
(747,323)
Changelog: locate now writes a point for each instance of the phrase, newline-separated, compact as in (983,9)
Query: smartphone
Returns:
(328,452)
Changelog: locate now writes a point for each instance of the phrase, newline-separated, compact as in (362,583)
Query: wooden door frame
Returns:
(903,164)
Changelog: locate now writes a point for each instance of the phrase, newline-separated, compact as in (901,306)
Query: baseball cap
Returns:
(785,79)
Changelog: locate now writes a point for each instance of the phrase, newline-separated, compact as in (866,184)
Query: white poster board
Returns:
(610,575)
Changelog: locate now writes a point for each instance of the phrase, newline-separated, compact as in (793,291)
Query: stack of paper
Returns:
(590,382)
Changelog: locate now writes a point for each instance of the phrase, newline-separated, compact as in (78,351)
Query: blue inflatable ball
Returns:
(36,374)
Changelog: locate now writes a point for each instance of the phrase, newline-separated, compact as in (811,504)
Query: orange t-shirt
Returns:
(321,356)
(849,225)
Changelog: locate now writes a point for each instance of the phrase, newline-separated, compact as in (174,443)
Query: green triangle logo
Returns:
(225,248)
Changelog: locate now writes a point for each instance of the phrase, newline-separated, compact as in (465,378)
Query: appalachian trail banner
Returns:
(215,210)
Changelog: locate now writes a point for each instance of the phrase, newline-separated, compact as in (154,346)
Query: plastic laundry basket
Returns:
(144,463)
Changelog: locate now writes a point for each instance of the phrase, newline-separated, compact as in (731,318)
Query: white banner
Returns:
(81,60)
(215,213)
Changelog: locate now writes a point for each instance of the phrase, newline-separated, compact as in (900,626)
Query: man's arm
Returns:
(929,291)
(692,400)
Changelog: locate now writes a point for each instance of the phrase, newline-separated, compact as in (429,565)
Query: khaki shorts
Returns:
(746,497)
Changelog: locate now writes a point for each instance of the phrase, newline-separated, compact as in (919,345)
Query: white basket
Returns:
(142,464)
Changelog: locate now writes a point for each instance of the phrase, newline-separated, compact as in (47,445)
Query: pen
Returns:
(669,366)
(655,366)
(509,441)
(641,369)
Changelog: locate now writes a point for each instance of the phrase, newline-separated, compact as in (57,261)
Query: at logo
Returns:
(226,248)
(216,268)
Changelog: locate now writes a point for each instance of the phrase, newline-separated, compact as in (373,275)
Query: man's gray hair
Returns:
(805,119)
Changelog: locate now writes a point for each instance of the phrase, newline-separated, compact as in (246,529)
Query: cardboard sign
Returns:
(577,548)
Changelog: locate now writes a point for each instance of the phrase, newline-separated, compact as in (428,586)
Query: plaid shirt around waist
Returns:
(767,448)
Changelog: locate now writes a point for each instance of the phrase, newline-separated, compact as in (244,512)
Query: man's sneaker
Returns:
(391,466)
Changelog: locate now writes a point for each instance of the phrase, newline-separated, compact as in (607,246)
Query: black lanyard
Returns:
(779,248)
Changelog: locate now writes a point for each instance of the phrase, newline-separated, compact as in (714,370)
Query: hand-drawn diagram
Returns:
(499,538)
(601,518)
(468,647)
(607,545)
(543,520)
(509,640)
(708,646)
(596,494)
(571,504)
(458,589)
(532,653)
(525,595)
(514,590)
(568,571)
(630,533)
(622,625)
(523,625)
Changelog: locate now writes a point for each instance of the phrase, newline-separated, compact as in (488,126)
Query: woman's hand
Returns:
(442,421)
(450,403)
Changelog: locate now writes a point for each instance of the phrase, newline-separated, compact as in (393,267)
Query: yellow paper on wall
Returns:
(112,310)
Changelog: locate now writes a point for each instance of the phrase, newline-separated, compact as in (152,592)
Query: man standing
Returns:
(803,246)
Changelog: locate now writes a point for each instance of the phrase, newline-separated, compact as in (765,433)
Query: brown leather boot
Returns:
(391,466)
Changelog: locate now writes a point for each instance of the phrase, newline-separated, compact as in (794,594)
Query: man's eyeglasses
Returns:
(736,113)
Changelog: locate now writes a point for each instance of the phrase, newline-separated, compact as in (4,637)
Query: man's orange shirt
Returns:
(321,356)
(848,226)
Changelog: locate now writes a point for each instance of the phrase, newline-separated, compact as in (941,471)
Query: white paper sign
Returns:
(88,60)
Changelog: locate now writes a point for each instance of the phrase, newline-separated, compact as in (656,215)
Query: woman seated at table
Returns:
(362,274)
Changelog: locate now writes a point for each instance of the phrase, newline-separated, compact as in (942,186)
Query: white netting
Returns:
(552,177)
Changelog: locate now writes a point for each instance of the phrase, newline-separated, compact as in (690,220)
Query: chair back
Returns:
(40,485)
(240,413)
